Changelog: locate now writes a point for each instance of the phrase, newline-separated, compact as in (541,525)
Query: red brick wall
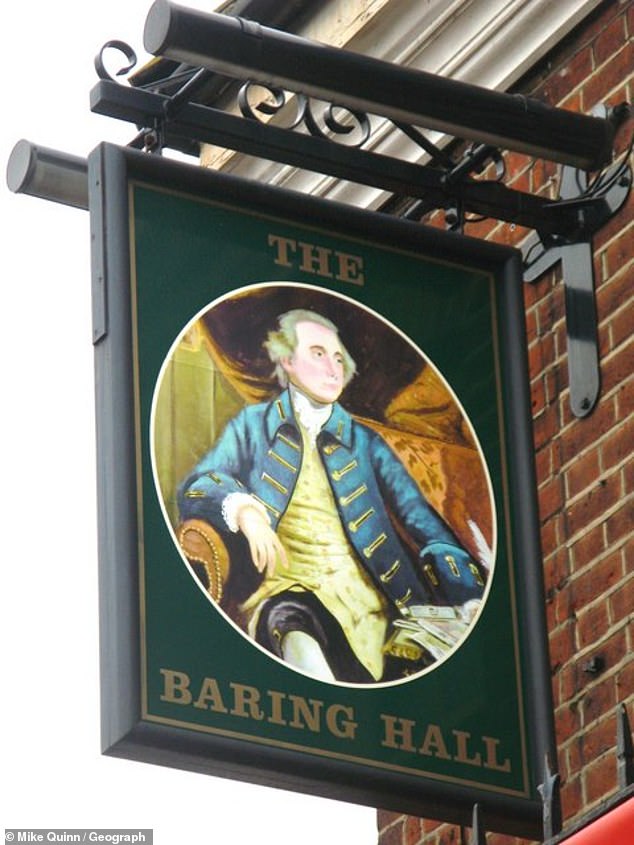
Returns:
(585,468)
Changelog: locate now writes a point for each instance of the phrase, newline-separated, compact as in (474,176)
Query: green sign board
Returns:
(319,560)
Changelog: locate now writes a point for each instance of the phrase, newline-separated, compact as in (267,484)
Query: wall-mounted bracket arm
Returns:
(174,111)
(541,252)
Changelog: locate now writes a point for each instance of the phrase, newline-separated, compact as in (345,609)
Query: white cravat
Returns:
(312,416)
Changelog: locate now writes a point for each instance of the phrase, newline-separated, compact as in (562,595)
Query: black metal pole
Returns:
(48,174)
(244,49)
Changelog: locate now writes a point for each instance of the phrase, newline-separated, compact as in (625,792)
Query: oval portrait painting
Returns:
(323,484)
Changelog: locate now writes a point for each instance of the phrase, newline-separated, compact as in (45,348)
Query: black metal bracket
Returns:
(311,106)
(331,143)
(563,228)
(541,252)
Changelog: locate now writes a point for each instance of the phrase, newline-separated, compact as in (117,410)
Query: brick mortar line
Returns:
(600,520)
(597,444)
(567,428)
(558,321)
(604,398)
(596,72)
(621,625)
(620,309)
(605,553)
(596,722)
(565,705)
(605,475)
(574,620)
(627,225)
(614,278)
(603,284)
(604,598)
(569,584)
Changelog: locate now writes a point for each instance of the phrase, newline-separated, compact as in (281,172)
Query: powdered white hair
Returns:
(282,343)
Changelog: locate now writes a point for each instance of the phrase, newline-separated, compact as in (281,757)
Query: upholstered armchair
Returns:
(207,554)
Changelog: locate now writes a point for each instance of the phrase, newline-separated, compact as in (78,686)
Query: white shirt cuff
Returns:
(233,503)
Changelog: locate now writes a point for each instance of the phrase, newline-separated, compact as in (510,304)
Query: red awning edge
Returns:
(615,827)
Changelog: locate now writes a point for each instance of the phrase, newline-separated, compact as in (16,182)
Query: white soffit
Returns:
(489,43)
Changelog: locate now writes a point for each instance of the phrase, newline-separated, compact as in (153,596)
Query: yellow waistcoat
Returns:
(322,561)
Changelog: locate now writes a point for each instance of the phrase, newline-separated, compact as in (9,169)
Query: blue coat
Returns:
(260,453)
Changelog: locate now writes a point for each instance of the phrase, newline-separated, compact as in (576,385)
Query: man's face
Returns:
(316,365)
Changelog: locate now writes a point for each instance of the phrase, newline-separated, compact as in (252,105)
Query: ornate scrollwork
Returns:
(335,120)
(332,123)
(121,47)
(271,104)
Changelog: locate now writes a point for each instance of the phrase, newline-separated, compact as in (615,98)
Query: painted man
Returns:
(316,494)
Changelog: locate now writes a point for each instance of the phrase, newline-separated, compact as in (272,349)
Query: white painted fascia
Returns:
(489,43)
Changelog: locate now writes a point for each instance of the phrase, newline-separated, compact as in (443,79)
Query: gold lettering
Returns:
(491,761)
(275,707)
(283,245)
(277,698)
(397,735)
(434,743)
(315,259)
(246,702)
(309,718)
(462,749)
(344,728)
(176,687)
(210,691)
(350,268)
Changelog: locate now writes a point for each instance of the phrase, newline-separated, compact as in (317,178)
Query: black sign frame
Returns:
(125,732)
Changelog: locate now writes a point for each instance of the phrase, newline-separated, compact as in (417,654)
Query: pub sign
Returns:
(318,556)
